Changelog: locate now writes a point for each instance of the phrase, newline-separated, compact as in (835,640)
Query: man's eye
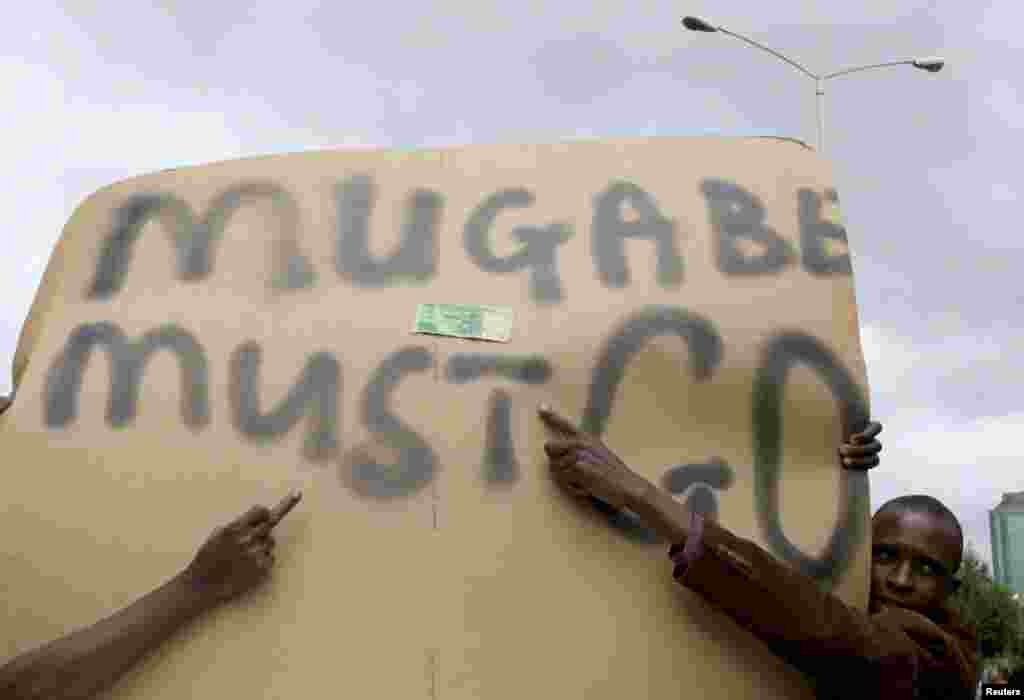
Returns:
(882,555)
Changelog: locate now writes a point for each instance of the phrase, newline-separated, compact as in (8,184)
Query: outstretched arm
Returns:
(585,466)
(90,659)
(233,559)
(813,630)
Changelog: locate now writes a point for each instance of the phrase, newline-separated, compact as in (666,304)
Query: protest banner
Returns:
(378,328)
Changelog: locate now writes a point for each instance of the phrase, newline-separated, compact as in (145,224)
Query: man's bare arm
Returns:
(233,559)
(90,659)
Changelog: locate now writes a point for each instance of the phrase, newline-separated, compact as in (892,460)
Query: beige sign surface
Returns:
(206,338)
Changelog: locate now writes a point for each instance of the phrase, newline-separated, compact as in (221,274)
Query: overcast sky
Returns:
(925,164)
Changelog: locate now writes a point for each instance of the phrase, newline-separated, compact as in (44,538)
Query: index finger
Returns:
(558,448)
(282,509)
(252,517)
(556,422)
(869,433)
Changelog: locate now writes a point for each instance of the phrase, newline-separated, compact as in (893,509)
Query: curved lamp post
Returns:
(931,64)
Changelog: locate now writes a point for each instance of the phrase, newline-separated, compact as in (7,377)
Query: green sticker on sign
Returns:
(465,321)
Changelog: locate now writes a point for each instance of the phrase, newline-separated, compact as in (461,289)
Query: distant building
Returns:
(1007,523)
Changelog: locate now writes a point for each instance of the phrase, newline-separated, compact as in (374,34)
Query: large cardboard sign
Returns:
(208,337)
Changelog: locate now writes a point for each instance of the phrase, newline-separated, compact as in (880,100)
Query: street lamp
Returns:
(931,64)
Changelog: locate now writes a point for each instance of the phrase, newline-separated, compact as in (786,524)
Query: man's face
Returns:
(912,560)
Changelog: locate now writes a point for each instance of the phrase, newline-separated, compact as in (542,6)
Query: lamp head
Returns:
(696,24)
(932,64)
